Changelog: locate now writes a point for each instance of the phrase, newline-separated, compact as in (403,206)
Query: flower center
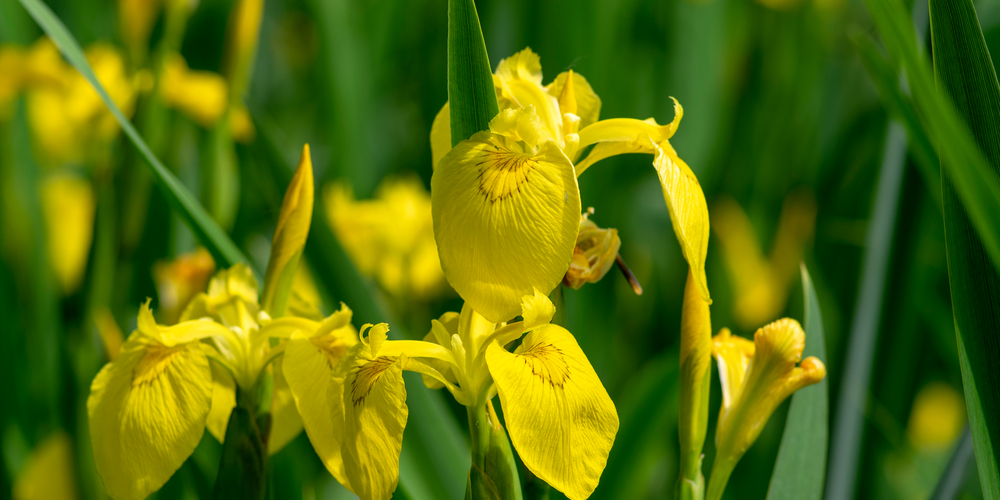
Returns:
(547,363)
(501,173)
(367,375)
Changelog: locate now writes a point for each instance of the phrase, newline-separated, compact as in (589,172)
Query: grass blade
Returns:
(954,474)
(799,472)
(205,228)
(962,66)
(849,423)
(976,183)
(471,96)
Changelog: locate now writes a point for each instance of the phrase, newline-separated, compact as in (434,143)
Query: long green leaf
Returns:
(975,182)
(435,457)
(848,427)
(202,225)
(901,107)
(799,472)
(963,67)
(471,95)
(954,474)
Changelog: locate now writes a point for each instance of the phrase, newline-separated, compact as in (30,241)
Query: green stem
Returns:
(243,467)
(493,474)
(721,470)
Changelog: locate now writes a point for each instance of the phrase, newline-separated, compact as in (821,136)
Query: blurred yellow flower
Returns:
(389,237)
(506,201)
(179,280)
(11,68)
(201,95)
(761,285)
(136,19)
(49,473)
(69,121)
(937,417)
(68,206)
(560,418)
(755,377)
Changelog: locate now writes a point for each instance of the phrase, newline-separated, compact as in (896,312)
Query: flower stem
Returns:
(493,474)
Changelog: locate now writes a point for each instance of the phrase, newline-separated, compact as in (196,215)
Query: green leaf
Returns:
(435,456)
(471,95)
(963,67)
(975,181)
(208,232)
(901,107)
(799,471)
(951,480)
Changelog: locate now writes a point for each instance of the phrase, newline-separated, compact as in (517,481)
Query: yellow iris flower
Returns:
(755,377)
(150,406)
(506,203)
(390,237)
(560,418)
(68,206)
(761,284)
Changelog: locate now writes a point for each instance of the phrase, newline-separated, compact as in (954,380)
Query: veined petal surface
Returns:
(559,416)
(147,414)
(368,404)
(308,365)
(505,219)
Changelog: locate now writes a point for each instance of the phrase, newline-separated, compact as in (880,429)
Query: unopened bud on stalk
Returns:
(289,238)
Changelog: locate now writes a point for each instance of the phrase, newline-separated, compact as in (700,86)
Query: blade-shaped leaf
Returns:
(472,98)
(962,66)
(799,472)
(204,227)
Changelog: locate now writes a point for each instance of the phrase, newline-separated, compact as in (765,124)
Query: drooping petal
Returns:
(286,423)
(308,365)
(505,220)
(223,401)
(559,416)
(368,405)
(147,414)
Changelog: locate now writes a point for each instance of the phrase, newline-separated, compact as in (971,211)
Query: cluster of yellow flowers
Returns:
(505,213)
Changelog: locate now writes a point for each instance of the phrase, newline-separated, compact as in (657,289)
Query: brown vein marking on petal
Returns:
(548,363)
(501,174)
(156,361)
(367,375)
(333,346)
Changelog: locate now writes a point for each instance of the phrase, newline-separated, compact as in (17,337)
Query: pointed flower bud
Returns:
(756,377)
(289,238)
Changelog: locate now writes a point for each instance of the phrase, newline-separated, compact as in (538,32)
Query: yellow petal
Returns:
(49,473)
(771,377)
(202,95)
(559,416)
(440,333)
(286,423)
(733,357)
(308,369)
(520,78)
(629,129)
(223,402)
(595,252)
(368,408)
(68,206)
(505,221)
(289,238)
(147,414)
(537,310)
(587,103)
(440,135)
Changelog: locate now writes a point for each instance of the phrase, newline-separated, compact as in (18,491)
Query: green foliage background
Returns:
(773,100)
